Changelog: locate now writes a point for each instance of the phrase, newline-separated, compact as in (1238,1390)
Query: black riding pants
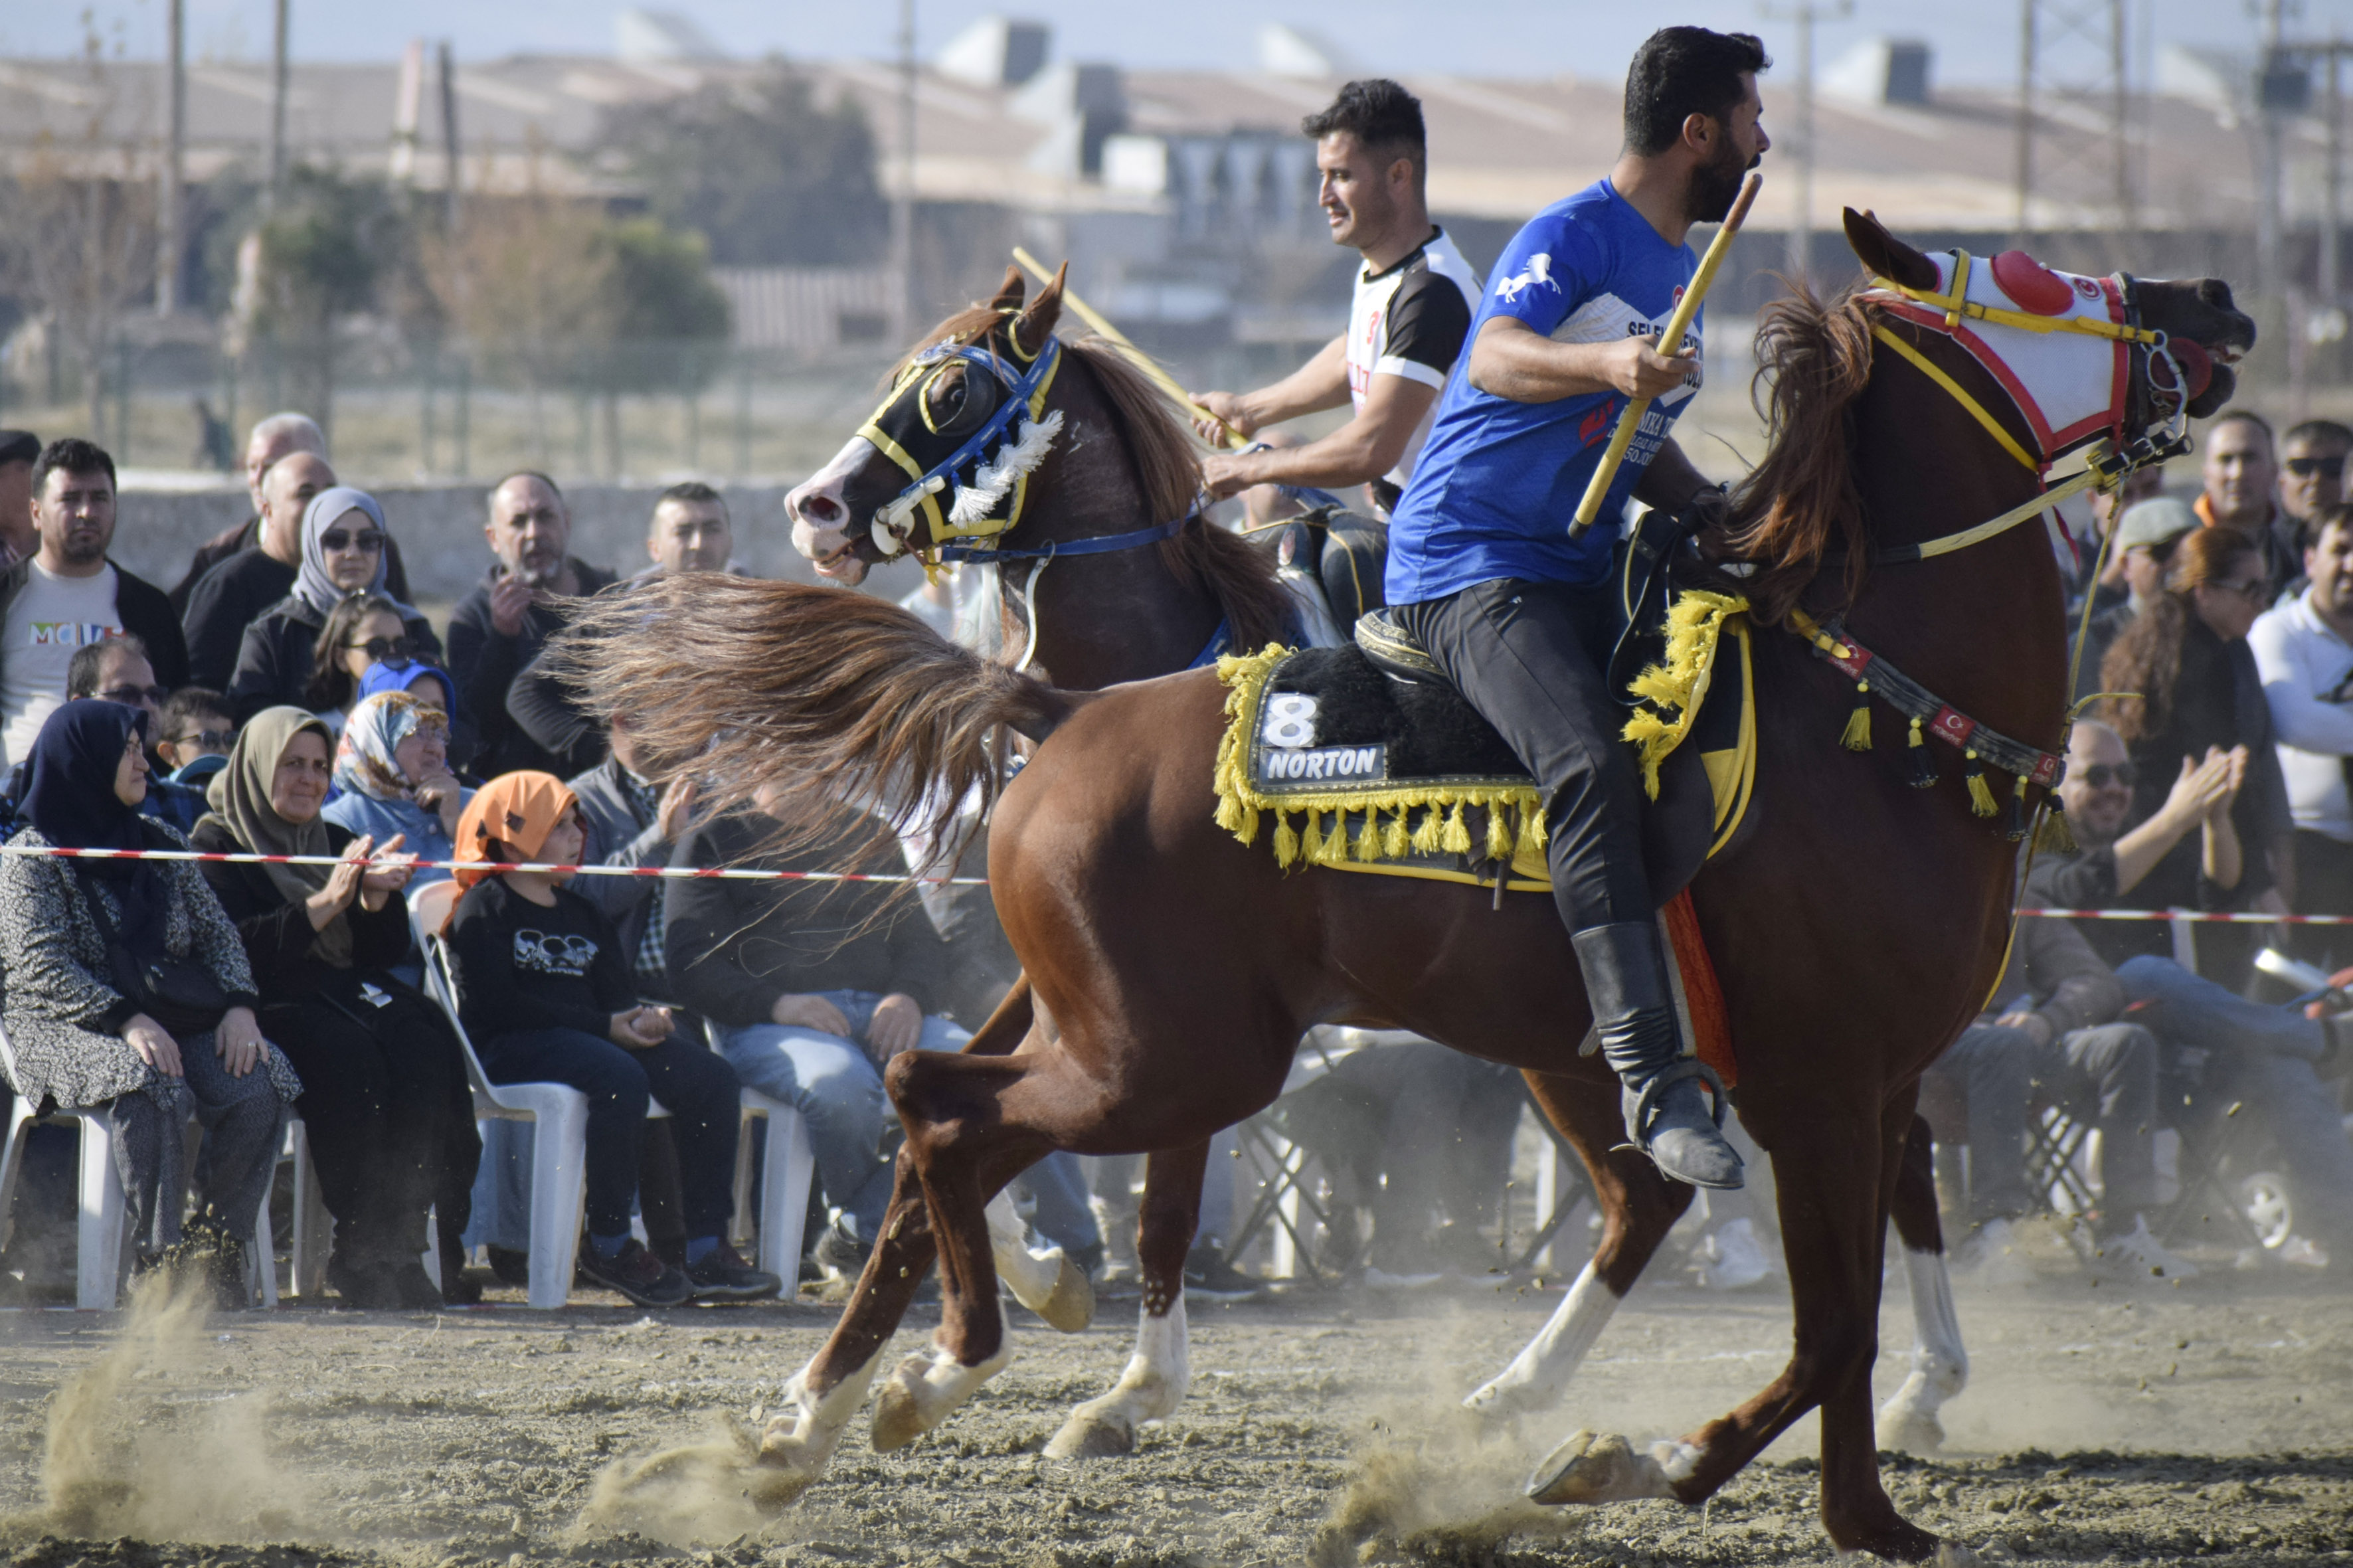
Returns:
(1530,657)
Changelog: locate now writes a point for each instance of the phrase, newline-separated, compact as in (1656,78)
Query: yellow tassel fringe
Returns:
(1694,627)
(1857,737)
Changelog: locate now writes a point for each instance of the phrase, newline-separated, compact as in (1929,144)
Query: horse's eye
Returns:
(947,398)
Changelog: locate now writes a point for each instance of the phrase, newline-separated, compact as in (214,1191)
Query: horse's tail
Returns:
(822,694)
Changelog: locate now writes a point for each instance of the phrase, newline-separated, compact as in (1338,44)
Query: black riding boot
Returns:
(1667,1110)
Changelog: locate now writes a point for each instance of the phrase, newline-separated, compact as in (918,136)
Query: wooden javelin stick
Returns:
(1144,362)
(1677,325)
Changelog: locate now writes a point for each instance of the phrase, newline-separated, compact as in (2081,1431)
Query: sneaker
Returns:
(1732,1259)
(510,1267)
(2137,1253)
(365,1285)
(840,1252)
(724,1276)
(1210,1278)
(413,1289)
(638,1275)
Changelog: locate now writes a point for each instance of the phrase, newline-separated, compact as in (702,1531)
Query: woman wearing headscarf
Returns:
(392,769)
(342,554)
(127,987)
(434,687)
(384,1096)
(544,988)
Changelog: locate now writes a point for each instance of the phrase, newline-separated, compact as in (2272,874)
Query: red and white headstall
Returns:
(2063,345)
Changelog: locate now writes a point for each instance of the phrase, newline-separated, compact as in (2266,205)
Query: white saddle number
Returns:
(1290,719)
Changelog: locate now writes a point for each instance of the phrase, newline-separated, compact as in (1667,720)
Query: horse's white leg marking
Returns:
(1539,1372)
(800,1438)
(1157,1378)
(924,1389)
(1940,1364)
(1047,1283)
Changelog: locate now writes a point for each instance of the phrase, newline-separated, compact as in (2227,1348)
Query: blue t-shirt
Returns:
(1498,483)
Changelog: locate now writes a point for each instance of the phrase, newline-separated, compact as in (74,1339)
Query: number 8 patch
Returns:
(1290,719)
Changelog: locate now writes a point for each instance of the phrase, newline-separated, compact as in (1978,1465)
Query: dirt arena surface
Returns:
(2103,1424)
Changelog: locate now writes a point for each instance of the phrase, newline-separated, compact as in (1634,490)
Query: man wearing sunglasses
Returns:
(2312,476)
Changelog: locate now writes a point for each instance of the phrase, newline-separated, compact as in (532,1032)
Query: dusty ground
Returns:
(2213,1420)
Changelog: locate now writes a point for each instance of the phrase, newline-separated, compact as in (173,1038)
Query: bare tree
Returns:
(78,220)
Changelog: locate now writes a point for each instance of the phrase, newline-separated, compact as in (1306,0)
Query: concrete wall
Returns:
(439,527)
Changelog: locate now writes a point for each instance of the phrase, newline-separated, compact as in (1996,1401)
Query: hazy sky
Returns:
(1590,38)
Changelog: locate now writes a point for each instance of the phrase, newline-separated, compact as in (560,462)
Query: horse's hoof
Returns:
(1500,1401)
(1070,1307)
(1086,1437)
(898,1417)
(780,1470)
(1903,1430)
(1592,1468)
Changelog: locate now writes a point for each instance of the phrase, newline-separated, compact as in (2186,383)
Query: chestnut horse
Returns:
(1096,620)
(1172,970)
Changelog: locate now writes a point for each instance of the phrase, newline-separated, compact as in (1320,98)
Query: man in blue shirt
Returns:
(1518,612)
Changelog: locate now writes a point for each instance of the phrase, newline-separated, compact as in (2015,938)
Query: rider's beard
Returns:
(1714,186)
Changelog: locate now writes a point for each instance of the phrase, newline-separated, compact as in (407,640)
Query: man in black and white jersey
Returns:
(1414,300)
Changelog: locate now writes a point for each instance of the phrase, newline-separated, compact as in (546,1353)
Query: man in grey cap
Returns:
(2145,536)
(18,538)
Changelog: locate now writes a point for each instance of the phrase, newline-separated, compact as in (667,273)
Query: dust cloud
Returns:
(697,1494)
(140,1443)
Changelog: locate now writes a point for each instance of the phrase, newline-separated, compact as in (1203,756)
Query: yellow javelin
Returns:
(1672,334)
(1144,362)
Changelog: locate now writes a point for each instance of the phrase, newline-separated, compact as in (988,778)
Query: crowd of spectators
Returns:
(288,699)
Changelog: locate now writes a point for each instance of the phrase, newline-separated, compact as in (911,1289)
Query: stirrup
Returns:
(1638,1115)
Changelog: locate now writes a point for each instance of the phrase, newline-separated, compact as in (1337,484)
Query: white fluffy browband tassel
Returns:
(993,482)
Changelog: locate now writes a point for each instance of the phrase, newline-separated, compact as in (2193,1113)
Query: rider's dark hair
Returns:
(1682,71)
(1377,113)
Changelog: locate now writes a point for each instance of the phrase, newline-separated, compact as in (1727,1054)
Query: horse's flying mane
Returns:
(1813,360)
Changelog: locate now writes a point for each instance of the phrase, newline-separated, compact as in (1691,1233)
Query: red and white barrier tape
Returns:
(696,873)
(2197,917)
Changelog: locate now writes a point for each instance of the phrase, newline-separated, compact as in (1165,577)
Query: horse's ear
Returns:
(1886,256)
(1037,323)
(1009,292)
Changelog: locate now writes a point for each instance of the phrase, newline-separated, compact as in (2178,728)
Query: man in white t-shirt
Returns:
(1414,299)
(68,594)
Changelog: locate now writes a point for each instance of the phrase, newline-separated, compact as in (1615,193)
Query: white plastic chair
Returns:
(97,1242)
(558,1112)
(787,1171)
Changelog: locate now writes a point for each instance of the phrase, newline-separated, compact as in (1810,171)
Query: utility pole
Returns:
(277,111)
(902,205)
(2332,212)
(170,220)
(449,71)
(2042,152)
(1799,241)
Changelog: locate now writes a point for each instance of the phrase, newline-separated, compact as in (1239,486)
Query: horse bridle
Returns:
(984,453)
(2111,460)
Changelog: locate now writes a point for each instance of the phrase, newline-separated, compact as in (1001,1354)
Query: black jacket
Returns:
(141,609)
(278,933)
(273,663)
(733,947)
(486,663)
(233,595)
(246,535)
(520,967)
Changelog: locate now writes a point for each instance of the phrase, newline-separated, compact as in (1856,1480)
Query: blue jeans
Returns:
(838,1090)
(697,1087)
(2263,1056)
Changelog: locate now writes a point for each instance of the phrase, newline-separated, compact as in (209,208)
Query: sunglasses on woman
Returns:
(2099,776)
(336,538)
(385,650)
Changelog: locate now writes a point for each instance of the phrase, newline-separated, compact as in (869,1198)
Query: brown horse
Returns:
(1173,971)
(1101,619)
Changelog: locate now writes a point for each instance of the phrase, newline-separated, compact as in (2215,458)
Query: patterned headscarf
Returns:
(519,808)
(367,760)
(402,677)
(313,585)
